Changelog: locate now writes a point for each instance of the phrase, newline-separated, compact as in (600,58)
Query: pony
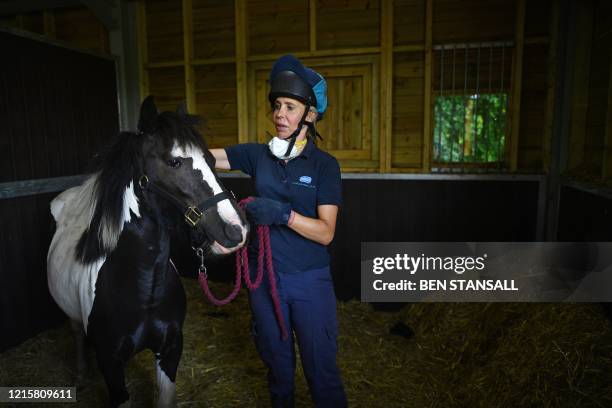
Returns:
(109,266)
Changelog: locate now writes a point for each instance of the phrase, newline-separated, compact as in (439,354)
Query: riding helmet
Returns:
(289,78)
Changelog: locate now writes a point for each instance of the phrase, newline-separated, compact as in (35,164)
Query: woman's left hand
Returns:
(265,211)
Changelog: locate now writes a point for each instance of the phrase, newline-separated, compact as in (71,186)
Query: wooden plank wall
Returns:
(76,26)
(227,52)
(598,117)
(536,85)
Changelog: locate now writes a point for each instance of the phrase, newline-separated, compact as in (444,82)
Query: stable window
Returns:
(471,94)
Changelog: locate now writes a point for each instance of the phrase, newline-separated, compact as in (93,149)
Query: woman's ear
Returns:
(312,115)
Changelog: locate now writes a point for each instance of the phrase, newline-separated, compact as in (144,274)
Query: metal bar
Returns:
(475,115)
(488,124)
(440,118)
(464,107)
(501,91)
(454,102)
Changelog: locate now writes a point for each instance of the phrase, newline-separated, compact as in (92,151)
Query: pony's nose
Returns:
(233,232)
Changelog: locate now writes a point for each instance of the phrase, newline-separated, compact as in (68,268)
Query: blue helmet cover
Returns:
(310,76)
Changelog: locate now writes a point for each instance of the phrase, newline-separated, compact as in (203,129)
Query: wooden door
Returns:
(350,125)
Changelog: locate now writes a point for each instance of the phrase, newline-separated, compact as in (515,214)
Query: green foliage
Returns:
(470,128)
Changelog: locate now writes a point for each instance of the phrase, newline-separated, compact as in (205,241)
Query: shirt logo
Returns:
(305,179)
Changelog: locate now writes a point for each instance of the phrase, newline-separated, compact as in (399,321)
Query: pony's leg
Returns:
(81,360)
(112,369)
(167,365)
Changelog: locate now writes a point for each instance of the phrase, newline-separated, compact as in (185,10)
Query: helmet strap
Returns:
(297,131)
(313,129)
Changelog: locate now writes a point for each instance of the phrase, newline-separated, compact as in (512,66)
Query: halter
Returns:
(191,214)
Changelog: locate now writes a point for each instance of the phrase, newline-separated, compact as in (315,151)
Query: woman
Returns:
(298,191)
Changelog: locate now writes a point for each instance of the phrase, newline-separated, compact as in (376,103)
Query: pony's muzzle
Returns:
(233,232)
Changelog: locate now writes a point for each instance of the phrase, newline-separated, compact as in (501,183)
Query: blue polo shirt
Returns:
(307,181)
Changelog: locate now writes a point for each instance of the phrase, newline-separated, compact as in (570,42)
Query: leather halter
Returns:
(192,214)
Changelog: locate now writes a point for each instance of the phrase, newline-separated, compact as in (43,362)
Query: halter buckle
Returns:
(193,216)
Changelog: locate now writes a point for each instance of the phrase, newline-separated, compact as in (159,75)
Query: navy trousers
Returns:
(308,305)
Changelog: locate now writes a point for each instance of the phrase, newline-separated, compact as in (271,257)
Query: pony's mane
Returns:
(181,129)
(119,170)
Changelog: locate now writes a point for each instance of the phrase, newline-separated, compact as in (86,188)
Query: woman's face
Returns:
(286,116)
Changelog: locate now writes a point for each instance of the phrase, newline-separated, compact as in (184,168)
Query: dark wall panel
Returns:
(584,216)
(58,107)
(408,210)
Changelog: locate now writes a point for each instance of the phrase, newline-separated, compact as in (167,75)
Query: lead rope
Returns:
(242,271)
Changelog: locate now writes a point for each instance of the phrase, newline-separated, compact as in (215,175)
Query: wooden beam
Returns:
(143,53)
(103,40)
(14,7)
(213,61)
(23,188)
(386,84)
(409,48)
(241,70)
(319,53)
(549,114)
(517,84)
(49,24)
(427,100)
(166,64)
(190,93)
(580,84)
(543,40)
(607,153)
(104,12)
(312,26)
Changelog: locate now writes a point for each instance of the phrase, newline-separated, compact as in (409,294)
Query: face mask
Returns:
(278,147)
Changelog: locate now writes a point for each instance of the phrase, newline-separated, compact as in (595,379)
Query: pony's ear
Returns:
(147,123)
(181,108)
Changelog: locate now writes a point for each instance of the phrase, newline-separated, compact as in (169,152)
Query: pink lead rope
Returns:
(242,271)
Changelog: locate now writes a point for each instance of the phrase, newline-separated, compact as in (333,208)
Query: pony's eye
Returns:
(175,163)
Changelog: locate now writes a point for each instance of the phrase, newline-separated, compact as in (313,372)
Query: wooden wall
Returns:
(598,132)
(76,26)
(379,58)
(590,135)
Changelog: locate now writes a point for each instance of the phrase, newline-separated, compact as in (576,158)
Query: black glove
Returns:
(265,211)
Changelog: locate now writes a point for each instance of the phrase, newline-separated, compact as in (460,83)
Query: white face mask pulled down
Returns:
(278,147)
